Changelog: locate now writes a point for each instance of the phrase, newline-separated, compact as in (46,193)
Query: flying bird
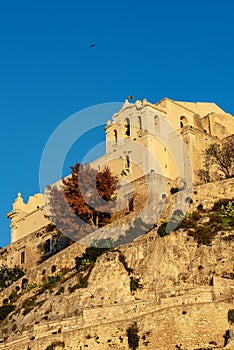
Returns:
(92,45)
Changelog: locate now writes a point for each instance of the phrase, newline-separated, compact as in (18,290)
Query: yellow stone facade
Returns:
(144,137)
(165,138)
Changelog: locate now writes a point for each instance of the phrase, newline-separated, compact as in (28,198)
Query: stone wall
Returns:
(168,310)
(192,326)
(11,255)
(62,261)
(205,194)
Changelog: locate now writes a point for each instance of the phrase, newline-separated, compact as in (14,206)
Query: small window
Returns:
(127,162)
(48,246)
(183,121)
(116,136)
(131,205)
(139,122)
(127,126)
(22,257)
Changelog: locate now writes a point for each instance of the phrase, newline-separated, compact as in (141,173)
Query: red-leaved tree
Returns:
(82,202)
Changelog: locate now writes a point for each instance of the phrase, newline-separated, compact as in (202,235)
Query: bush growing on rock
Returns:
(133,337)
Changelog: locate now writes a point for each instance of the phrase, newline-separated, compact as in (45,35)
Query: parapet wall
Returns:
(27,217)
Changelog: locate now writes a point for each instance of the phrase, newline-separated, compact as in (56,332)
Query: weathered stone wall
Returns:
(205,194)
(177,305)
(197,141)
(62,260)
(30,245)
(192,326)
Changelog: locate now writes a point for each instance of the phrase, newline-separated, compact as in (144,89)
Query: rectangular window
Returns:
(22,257)
(47,246)
(131,205)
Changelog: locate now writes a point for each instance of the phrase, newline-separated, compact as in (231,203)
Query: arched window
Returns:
(116,136)
(139,122)
(127,126)
(183,121)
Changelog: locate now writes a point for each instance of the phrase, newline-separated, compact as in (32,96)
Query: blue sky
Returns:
(177,49)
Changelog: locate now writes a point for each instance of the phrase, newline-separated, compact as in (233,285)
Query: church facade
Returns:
(167,138)
(144,137)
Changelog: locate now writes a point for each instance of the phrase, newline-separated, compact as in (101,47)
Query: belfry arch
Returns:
(183,121)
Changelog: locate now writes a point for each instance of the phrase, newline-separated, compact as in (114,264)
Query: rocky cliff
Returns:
(169,291)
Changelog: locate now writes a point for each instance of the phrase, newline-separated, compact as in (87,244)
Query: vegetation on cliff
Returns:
(201,225)
(222,157)
(8,275)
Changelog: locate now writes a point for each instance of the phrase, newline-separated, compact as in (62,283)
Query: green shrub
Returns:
(27,310)
(188,223)
(203,235)
(27,287)
(83,283)
(231,316)
(28,302)
(41,302)
(166,227)
(24,282)
(5,310)
(134,284)
(13,296)
(200,207)
(136,229)
(133,337)
(90,255)
(5,301)
(196,215)
(123,261)
(103,243)
(223,212)
(8,275)
(51,282)
(221,204)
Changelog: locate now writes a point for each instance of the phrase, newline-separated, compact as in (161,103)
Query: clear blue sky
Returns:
(177,49)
